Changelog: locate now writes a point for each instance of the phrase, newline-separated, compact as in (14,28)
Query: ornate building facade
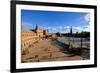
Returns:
(28,37)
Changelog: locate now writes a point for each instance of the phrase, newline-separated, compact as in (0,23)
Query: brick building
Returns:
(28,37)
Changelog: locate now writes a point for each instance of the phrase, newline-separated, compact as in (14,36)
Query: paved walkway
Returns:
(45,50)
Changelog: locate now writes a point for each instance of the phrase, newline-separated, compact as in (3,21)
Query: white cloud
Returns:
(86,28)
(62,29)
(81,28)
(65,29)
(87,17)
(26,26)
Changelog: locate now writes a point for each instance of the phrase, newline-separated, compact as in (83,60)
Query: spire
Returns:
(36,26)
(71,32)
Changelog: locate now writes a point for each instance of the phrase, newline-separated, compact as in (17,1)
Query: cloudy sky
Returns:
(55,21)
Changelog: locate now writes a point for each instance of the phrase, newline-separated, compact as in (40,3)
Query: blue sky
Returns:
(55,21)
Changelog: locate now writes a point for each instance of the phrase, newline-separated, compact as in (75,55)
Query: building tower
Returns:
(45,32)
(37,29)
(71,32)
